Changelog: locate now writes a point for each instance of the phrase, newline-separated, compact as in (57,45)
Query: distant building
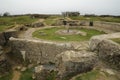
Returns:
(70,14)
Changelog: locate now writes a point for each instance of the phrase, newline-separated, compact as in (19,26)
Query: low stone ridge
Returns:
(38,51)
(107,50)
(70,63)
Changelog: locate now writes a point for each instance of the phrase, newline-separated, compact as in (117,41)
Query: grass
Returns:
(96,75)
(52,76)
(27,75)
(3,27)
(51,35)
(51,20)
(7,77)
(88,76)
(106,19)
(8,22)
(116,40)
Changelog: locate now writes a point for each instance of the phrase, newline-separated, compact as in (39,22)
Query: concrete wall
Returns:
(38,51)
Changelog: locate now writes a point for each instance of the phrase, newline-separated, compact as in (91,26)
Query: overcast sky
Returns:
(111,7)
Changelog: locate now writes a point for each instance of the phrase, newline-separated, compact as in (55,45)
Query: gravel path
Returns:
(28,34)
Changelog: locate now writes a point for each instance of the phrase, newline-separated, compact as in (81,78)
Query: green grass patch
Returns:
(7,22)
(88,76)
(3,27)
(96,75)
(106,19)
(54,17)
(116,40)
(51,35)
(52,76)
(7,77)
(27,75)
(52,20)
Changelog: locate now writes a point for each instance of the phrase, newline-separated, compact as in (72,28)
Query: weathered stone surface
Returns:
(4,36)
(16,56)
(38,24)
(5,66)
(71,62)
(1,50)
(2,39)
(11,33)
(109,51)
(94,43)
(84,23)
(95,40)
(43,72)
(23,69)
(81,45)
(21,28)
(39,51)
(108,25)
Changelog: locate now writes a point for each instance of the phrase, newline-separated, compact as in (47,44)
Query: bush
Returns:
(6,14)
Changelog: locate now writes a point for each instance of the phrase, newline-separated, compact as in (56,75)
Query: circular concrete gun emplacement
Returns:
(61,34)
